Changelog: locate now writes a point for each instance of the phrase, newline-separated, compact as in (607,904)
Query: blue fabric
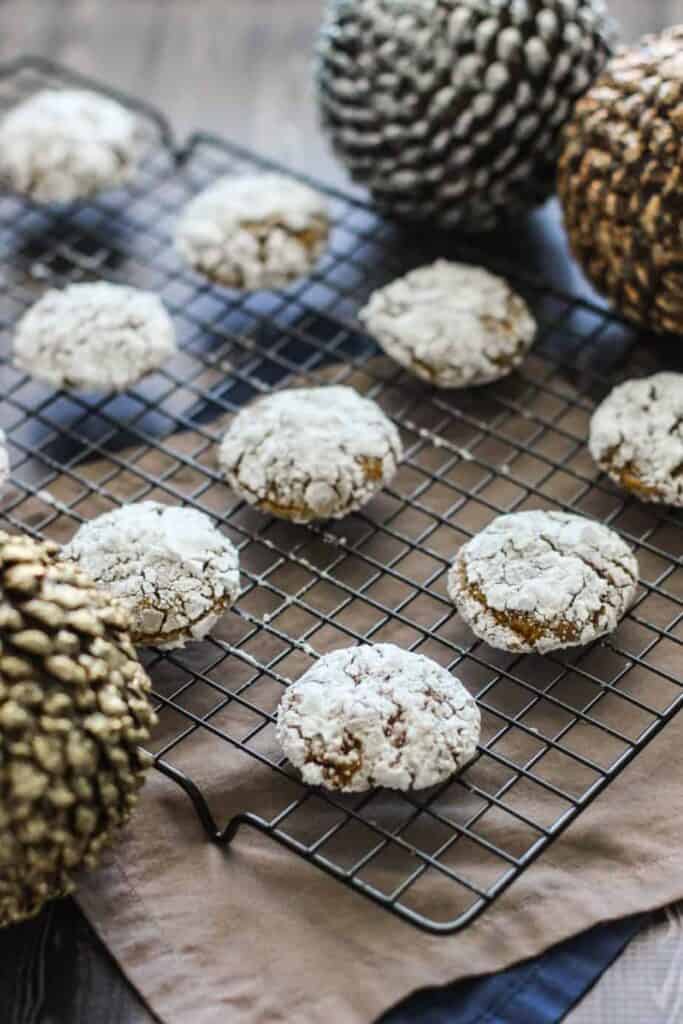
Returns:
(540,991)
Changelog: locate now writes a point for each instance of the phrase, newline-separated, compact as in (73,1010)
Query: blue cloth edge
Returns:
(538,991)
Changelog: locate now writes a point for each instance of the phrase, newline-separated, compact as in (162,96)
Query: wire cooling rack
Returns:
(556,730)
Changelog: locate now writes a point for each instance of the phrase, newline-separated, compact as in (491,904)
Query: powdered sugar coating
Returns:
(61,145)
(4,460)
(171,567)
(541,581)
(310,453)
(452,324)
(377,716)
(252,232)
(100,337)
(636,437)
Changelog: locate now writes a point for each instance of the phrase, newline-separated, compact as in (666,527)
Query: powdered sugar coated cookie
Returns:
(636,437)
(451,324)
(377,716)
(252,232)
(100,337)
(310,453)
(171,567)
(540,581)
(61,145)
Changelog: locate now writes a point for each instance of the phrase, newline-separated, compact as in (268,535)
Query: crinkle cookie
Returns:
(170,567)
(4,460)
(541,581)
(310,453)
(377,716)
(451,324)
(253,232)
(636,437)
(98,337)
(62,145)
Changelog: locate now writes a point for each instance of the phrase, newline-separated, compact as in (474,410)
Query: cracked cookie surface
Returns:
(310,453)
(636,437)
(541,581)
(99,337)
(451,324)
(253,232)
(62,145)
(170,567)
(377,716)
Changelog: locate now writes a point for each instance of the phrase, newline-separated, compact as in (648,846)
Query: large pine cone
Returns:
(73,709)
(621,182)
(451,110)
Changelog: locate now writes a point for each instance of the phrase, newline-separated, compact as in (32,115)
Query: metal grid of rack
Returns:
(556,730)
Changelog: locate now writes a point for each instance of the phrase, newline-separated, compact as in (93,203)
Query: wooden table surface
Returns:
(242,68)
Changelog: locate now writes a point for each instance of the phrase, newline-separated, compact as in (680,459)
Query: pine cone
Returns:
(621,182)
(452,110)
(73,709)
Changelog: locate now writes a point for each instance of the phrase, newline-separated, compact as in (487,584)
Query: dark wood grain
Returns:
(54,970)
(636,17)
(240,68)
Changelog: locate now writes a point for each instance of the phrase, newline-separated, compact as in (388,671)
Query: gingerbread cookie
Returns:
(173,570)
(377,716)
(96,337)
(62,145)
(254,232)
(636,437)
(540,581)
(310,453)
(451,324)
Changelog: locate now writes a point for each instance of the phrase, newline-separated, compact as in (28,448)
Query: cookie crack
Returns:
(522,624)
(606,576)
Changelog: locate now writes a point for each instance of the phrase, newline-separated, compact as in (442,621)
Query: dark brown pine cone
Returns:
(621,182)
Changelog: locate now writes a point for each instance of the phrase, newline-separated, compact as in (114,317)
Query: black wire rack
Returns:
(556,730)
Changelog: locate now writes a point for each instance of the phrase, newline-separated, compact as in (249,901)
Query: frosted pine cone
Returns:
(451,110)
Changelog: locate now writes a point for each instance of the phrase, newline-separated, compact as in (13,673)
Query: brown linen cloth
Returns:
(254,935)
